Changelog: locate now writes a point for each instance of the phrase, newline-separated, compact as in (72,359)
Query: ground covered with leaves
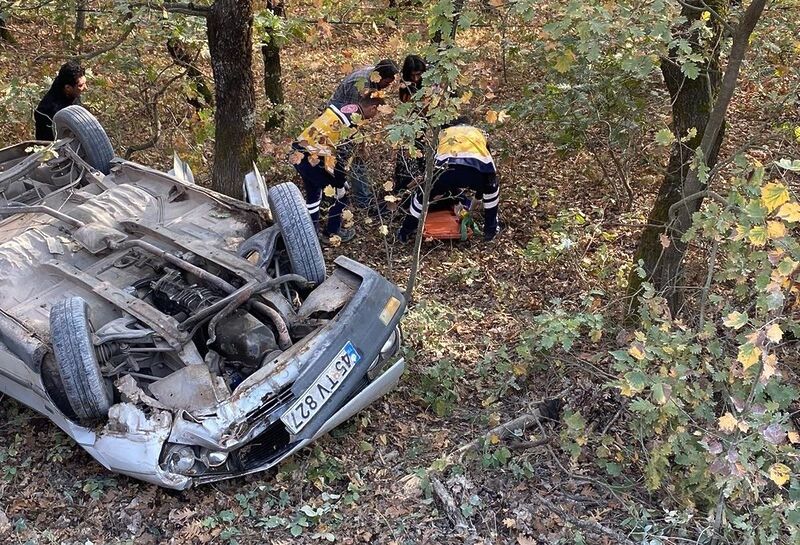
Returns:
(388,474)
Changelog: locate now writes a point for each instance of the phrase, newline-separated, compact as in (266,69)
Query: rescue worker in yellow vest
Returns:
(463,153)
(326,147)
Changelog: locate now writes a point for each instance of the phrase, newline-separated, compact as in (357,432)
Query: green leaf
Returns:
(788,164)
(690,70)
(664,137)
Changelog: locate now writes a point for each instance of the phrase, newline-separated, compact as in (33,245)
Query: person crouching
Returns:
(463,154)
(327,148)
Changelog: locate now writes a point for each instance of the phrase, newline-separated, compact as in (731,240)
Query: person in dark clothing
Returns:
(413,68)
(326,148)
(356,86)
(65,91)
(463,154)
(408,168)
(360,83)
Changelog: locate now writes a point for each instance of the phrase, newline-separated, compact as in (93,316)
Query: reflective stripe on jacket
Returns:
(464,145)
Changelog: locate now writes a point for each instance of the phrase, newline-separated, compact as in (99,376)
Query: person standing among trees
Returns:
(407,168)
(364,82)
(464,162)
(323,153)
(65,91)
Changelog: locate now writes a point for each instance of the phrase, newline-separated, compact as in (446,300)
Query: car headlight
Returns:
(181,459)
(392,344)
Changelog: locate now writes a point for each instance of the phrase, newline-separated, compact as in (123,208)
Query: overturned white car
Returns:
(176,334)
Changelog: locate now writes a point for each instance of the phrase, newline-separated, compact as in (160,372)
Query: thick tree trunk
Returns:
(273,88)
(692,103)
(230,33)
(183,58)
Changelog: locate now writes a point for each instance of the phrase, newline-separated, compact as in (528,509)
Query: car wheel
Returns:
(71,335)
(76,121)
(298,232)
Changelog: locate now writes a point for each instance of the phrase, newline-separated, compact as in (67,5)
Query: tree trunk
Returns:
(230,33)
(80,18)
(273,88)
(692,103)
(5,34)
(458,6)
(183,58)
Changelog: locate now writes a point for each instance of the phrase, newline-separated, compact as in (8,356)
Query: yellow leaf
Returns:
(773,195)
(385,109)
(769,369)
(383,230)
(727,422)
(665,241)
(494,439)
(335,240)
(794,437)
(329,191)
(565,61)
(374,76)
(735,320)
(390,198)
(757,236)
(626,390)
(637,350)
(790,212)
(705,16)
(596,335)
(776,229)
(509,522)
(502,116)
(774,333)
(466,97)
(388,186)
(491,117)
(779,474)
(296,158)
(743,426)
(346,68)
(330,162)
(498,4)
(748,355)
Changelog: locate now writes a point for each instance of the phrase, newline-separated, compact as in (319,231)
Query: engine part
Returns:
(241,337)
(173,297)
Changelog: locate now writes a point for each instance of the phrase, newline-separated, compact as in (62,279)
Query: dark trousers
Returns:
(315,180)
(452,182)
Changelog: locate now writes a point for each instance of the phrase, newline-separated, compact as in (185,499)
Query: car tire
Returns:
(76,121)
(78,368)
(298,232)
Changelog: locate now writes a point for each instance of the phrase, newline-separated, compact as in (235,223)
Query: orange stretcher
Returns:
(444,225)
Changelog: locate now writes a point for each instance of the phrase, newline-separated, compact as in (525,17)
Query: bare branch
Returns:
(114,45)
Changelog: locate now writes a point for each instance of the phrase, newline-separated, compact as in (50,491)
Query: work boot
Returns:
(346,234)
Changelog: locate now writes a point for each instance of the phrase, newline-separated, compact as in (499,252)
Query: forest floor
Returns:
(370,481)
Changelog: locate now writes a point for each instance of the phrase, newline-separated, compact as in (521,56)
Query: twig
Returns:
(584,524)
(501,431)
(520,445)
(450,508)
(712,261)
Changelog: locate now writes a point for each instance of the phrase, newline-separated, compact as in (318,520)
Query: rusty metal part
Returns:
(237,265)
(40,209)
(247,291)
(203,275)
(165,326)
(284,340)
(239,301)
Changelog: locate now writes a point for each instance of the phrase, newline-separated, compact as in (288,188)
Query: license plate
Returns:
(311,401)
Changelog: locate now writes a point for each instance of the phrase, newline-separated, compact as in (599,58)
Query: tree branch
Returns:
(741,38)
(114,45)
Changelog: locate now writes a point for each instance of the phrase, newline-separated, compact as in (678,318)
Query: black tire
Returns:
(76,121)
(71,335)
(298,232)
